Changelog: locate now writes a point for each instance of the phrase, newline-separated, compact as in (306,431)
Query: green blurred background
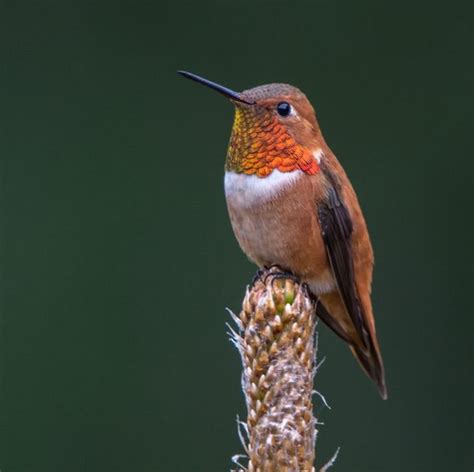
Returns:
(117,257)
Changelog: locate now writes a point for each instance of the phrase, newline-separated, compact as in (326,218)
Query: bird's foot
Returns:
(276,273)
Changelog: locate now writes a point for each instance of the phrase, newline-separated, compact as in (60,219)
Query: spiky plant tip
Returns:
(276,342)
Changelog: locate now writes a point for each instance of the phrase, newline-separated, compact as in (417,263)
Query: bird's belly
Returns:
(275,222)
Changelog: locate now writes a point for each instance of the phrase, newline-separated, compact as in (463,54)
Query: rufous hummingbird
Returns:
(292,205)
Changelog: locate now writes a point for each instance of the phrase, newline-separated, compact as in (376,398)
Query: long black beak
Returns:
(223,90)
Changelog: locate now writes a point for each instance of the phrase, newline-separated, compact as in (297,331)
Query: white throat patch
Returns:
(245,190)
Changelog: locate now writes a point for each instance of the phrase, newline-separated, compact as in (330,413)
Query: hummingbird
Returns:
(291,204)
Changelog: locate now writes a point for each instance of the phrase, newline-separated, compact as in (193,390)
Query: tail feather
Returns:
(371,362)
(365,347)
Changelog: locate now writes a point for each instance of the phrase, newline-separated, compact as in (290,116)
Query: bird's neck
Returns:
(257,147)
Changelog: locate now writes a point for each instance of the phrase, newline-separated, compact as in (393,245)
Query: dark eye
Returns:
(284,109)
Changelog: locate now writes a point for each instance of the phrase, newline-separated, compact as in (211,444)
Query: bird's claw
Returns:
(258,276)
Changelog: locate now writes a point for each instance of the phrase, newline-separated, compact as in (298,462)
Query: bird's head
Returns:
(275,127)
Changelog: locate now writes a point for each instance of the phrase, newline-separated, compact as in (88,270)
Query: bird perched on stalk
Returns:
(291,204)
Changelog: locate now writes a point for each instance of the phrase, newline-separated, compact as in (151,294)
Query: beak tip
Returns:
(234,96)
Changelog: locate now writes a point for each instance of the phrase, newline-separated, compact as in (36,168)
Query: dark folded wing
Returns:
(336,228)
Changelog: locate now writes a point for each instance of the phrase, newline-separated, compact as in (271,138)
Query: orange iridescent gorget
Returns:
(260,143)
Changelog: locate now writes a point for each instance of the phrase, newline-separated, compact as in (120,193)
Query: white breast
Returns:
(245,190)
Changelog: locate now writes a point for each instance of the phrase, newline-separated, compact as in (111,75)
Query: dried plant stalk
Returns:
(276,343)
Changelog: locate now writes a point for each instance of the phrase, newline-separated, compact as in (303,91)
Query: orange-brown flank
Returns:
(260,143)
